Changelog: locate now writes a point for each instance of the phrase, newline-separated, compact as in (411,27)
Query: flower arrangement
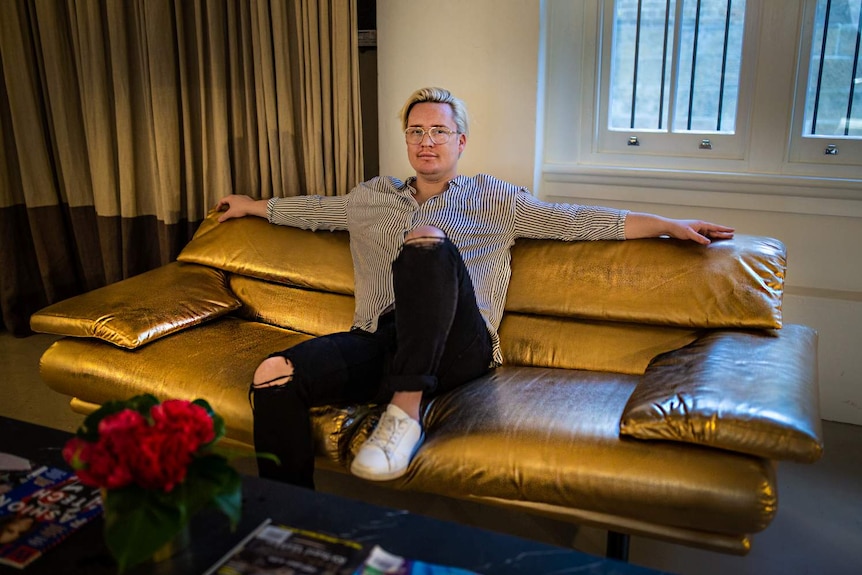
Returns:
(157,467)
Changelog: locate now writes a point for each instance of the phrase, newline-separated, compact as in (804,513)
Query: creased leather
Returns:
(729,283)
(143,308)
(751,392)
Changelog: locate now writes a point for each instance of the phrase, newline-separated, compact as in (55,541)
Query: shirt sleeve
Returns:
(309,212)
(569,222)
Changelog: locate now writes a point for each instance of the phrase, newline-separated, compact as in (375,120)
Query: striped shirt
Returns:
(481,215)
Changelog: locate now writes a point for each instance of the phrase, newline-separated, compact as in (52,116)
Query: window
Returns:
(831,121)
(701,69)
(725,96)
(674,70)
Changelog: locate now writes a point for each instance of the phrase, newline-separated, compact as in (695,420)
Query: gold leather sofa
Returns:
(649,386)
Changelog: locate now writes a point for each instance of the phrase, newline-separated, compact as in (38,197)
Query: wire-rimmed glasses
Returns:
(438,134)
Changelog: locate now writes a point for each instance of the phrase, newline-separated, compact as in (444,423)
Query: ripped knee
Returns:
(274,371)
(424,236)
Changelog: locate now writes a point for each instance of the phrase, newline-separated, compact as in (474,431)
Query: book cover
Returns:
(290,551)
(40,512)
(381,562)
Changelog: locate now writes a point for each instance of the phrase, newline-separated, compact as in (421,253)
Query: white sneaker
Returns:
(387,453)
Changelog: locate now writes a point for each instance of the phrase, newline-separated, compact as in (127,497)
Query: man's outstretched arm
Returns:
(642,225)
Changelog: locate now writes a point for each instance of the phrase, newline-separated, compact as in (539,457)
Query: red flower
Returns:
(96,465)
(153,453)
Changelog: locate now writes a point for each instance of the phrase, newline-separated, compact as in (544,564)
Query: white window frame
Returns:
(807,153)
(665,147)
(766,173)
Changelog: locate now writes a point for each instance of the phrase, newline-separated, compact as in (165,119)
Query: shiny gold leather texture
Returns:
(733,283)
(549,436)
(302,310)
(544,341)
(750,392)
(542,436)
(253,247)
(142,308)
(215,361)
(647,388)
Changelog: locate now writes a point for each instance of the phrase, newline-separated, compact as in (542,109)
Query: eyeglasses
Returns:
(438,134)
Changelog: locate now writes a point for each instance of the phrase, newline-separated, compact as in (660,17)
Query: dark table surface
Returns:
(399,532)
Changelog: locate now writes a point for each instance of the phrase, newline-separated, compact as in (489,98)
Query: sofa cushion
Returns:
(568,343)
(298,309)
(744,391)
(549,437)
(729,283)
(253,247)
(140,309)
(214,361)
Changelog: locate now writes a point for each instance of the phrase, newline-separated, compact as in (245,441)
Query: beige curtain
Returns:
(124,121)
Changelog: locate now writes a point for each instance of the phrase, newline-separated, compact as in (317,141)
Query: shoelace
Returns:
(387,432)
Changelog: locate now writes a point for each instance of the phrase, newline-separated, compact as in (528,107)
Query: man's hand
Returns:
(698,231)
(639,225)
(236,206)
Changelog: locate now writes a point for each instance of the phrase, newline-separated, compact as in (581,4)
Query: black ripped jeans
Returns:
(433,341)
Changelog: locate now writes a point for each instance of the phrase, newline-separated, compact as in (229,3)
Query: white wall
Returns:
(487,57)
(491,60)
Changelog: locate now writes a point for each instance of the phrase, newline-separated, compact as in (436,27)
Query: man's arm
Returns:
(305,212)
(642,225)
(240,206)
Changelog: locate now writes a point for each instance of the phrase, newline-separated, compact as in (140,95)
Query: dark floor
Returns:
(818,528)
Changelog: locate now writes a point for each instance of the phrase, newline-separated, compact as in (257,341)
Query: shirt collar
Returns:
(457,181)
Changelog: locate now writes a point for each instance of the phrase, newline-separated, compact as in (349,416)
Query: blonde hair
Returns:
(437,96)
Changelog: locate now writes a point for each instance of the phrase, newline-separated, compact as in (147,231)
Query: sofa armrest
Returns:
(748,391)
(143,308)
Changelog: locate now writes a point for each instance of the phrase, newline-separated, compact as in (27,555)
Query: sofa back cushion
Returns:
(298,309)
(736,283)
(601,306)
(727,284)
(253,247)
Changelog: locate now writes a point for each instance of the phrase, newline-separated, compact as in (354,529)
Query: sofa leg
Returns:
(618,546)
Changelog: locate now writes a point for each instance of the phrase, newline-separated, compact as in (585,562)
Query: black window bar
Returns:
(637,62)
(693,64)
(663,64)
(820,69)
(723,64)
(722,79)
(853,75)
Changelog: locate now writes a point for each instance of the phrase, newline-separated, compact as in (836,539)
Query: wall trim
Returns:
(767,192)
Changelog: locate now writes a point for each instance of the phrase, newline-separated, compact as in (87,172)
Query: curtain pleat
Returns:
(124,122)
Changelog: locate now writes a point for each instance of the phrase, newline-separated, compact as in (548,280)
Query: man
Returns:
(431,268)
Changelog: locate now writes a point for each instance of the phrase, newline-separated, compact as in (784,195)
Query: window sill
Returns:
(748,191)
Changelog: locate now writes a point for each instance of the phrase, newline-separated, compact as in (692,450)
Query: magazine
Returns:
(282,550)
(381,562)
(12,478)
(43,509)
(290,551)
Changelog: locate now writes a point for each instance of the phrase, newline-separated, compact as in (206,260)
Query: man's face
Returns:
(434,161)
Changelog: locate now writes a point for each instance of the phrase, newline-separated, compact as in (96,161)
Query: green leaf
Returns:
(143,403)
(138,522)
(215,483)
